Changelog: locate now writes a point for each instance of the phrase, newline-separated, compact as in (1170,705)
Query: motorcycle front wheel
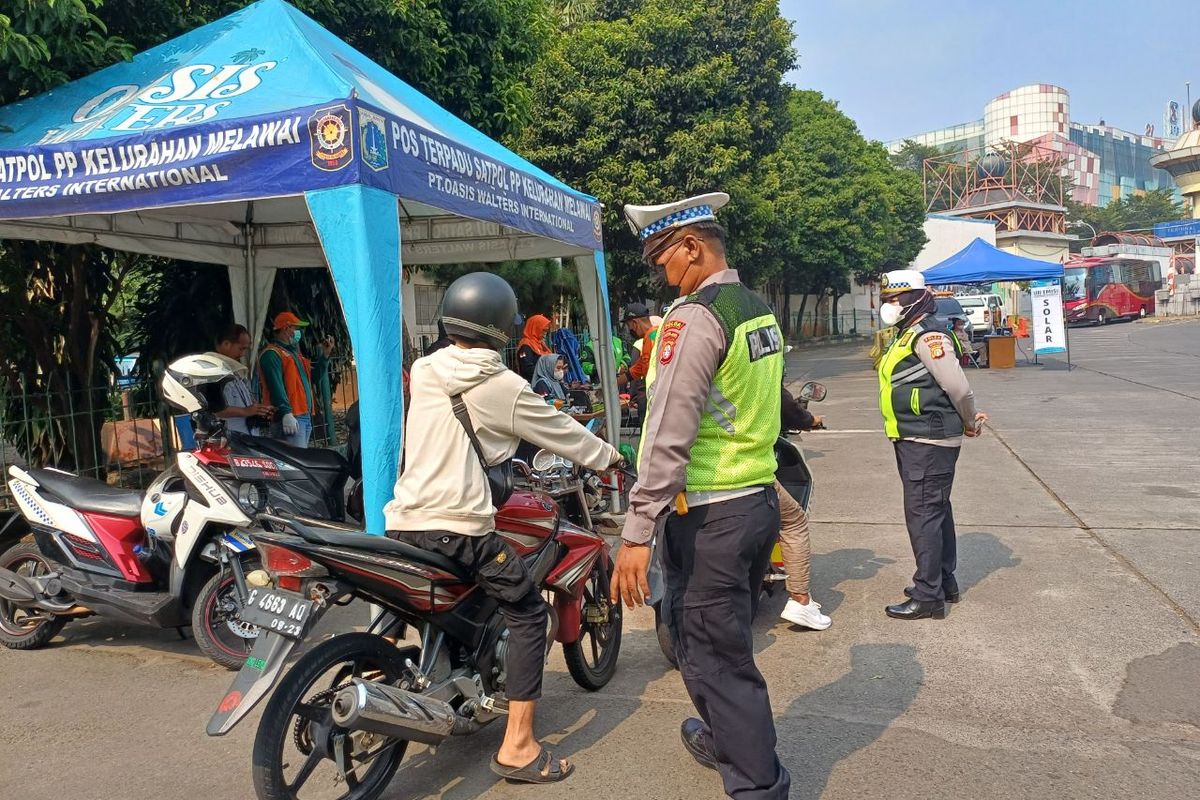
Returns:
(298,742)
(216,623)
(592,659)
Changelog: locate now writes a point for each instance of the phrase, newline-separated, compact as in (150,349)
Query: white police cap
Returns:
(901,280)
(646,221)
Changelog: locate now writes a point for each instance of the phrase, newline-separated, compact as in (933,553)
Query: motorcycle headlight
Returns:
(252,498)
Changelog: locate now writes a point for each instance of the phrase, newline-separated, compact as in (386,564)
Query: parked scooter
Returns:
(793,474)
(351,705)
(168,557)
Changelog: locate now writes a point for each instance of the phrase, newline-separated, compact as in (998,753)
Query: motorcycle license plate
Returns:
(286,613)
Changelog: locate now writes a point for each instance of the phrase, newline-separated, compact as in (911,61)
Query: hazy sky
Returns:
(900,67)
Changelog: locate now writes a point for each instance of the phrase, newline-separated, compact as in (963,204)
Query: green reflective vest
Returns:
(735,443)
(913,404)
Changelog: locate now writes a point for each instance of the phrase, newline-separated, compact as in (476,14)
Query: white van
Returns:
(985,310)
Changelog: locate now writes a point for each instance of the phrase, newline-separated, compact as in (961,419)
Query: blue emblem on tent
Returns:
(332,144)
(374,147)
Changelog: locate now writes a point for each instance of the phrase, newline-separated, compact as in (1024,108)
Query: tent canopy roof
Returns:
(980,262)
(233,122)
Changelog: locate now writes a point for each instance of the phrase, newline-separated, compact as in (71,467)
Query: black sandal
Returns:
(543,769)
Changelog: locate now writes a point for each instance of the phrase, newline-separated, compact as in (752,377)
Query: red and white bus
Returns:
(1115,287)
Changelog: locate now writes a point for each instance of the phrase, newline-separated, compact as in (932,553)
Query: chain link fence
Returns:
(812,325)
(123,434)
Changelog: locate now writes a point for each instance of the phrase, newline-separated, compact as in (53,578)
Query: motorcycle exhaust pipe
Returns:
(18,589)
(398,713)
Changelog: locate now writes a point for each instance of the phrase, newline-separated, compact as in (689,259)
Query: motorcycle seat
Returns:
(88,494)
(313,458)
(336,534)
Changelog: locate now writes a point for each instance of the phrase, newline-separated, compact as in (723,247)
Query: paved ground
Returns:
(1070,670)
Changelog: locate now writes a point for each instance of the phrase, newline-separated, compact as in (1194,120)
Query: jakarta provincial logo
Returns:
(373,140)
(597,228)
(332,144)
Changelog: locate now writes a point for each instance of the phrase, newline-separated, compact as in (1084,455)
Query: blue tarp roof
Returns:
(264,103)
(980,262)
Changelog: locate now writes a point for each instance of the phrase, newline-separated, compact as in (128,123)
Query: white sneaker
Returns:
(807,616)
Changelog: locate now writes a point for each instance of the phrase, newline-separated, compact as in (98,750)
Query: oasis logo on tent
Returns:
(332,144)
(186,96)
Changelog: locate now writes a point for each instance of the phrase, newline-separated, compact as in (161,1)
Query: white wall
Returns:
(947,235)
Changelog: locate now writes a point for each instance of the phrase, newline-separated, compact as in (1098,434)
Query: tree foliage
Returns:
(1137,212)
(44,44)
(839,207)
(654,100)
(470,56)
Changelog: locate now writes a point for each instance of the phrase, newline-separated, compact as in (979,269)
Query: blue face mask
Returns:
(296,337)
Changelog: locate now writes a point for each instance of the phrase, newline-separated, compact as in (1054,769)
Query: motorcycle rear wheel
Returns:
(26,628)
(665,642)
(592,659)
(299,718)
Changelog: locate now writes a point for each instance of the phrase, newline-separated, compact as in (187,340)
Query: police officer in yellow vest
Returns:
(706,472)
(927,408)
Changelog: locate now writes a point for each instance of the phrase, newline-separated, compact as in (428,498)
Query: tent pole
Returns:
(251,299)
(1066,327)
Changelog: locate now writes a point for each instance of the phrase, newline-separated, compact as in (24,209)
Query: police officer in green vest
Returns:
(927,409)
(706,472)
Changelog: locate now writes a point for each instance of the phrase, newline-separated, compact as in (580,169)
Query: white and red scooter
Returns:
(168,557)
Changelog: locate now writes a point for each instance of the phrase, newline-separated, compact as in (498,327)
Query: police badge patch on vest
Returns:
(936,348)
(668,334)
(764,341)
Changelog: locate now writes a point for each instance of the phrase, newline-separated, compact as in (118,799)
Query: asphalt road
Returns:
(1070,670)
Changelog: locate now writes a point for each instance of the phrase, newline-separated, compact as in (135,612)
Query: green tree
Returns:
(657,99)
(839,207)
(56,300)
(470,56)
(1137,212)
(44,43)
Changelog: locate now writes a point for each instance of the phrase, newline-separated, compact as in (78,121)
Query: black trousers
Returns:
(714,560)
(927,473)
(499,571)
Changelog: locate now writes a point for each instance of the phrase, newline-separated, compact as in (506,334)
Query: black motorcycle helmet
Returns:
(480,307)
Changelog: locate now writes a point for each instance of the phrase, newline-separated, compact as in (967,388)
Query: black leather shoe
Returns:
(917,609)
(951,596)
(695,737)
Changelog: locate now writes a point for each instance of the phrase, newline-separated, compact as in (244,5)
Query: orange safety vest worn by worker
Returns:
(295,384)
(642,365)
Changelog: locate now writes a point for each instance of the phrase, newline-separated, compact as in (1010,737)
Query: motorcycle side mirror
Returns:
(813,392)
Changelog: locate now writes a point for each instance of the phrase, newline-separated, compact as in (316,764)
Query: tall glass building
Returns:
(1105,163)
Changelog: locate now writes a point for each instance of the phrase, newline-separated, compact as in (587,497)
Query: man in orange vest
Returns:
(641,326)
(285,379)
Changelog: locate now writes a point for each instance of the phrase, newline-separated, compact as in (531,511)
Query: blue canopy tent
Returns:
(261,141)
(980,262)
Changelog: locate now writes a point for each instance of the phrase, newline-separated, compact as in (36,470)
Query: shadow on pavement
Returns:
(569,720)
(979,555)
(848,564)
(831,723)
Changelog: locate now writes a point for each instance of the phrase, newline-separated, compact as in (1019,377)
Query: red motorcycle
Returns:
(350,706)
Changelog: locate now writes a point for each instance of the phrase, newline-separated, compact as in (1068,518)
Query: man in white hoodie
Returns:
(443,501)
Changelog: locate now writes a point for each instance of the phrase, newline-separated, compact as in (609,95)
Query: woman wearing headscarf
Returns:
(548,381)
(548,377)
(533,345)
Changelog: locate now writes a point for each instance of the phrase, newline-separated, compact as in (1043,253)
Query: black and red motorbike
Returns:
(345,712)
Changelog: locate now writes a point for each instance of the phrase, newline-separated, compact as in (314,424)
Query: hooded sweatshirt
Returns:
(443,487)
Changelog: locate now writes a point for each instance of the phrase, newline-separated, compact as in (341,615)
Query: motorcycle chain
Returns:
(300,733)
